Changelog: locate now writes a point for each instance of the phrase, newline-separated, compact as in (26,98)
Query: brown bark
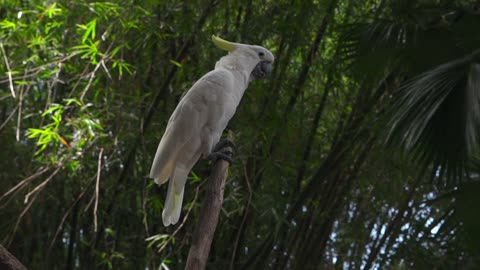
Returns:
(209,213)
(8,261)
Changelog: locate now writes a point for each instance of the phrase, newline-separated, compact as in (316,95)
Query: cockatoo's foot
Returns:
(223,143)
(224,155)
(220,151)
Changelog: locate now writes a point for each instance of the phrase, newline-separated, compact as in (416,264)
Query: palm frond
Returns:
(373,48)
(473,106)
(437,116)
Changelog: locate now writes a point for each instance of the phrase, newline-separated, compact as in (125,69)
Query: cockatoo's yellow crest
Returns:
(223,44)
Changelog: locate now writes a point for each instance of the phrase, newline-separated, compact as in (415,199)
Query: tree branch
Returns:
(8,261)
(209,213)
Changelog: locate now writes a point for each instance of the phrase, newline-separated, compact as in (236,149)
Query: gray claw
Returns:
(223,143)
(224,155)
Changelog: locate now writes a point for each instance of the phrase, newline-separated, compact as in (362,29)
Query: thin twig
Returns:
(144,205)
(39,69)
(24,182)
(19,115)
(244,219)
(59,228)
(42,184)
(9,73)
(183,221)
(80,78)
(97,189)
(92,74)
(85,210)
(30,75)
(50,87)
(90,201)
(8,119)
(20,218)
(106,69)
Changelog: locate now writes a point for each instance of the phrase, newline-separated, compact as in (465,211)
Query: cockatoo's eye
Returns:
(261,54)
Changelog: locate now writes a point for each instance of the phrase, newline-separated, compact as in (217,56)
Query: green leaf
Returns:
(6,24)
(52,10)
(73,100)
(195,178)
(122,66)
(176,63)
(109,231)
(90,30)
(88,51)
(157,240)
(53,109)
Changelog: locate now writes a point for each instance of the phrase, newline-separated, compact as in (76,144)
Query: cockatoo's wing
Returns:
(172,160)
(184,123)
(193,128)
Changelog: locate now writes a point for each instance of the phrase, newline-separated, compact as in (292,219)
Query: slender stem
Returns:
(9,73)
(97,189)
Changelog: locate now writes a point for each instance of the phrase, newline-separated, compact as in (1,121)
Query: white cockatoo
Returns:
(200,117)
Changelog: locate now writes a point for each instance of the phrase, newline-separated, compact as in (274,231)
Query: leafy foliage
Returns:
(86,89)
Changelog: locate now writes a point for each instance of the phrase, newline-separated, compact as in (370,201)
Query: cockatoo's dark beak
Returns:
(261,70)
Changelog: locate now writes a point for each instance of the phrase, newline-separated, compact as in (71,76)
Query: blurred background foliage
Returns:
(359,152)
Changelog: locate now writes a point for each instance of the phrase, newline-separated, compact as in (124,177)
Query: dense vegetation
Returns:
(359,152)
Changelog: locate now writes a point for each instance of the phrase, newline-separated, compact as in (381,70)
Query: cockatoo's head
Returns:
(262,57)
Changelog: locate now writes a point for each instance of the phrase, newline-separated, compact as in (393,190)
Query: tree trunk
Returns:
(8,261)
